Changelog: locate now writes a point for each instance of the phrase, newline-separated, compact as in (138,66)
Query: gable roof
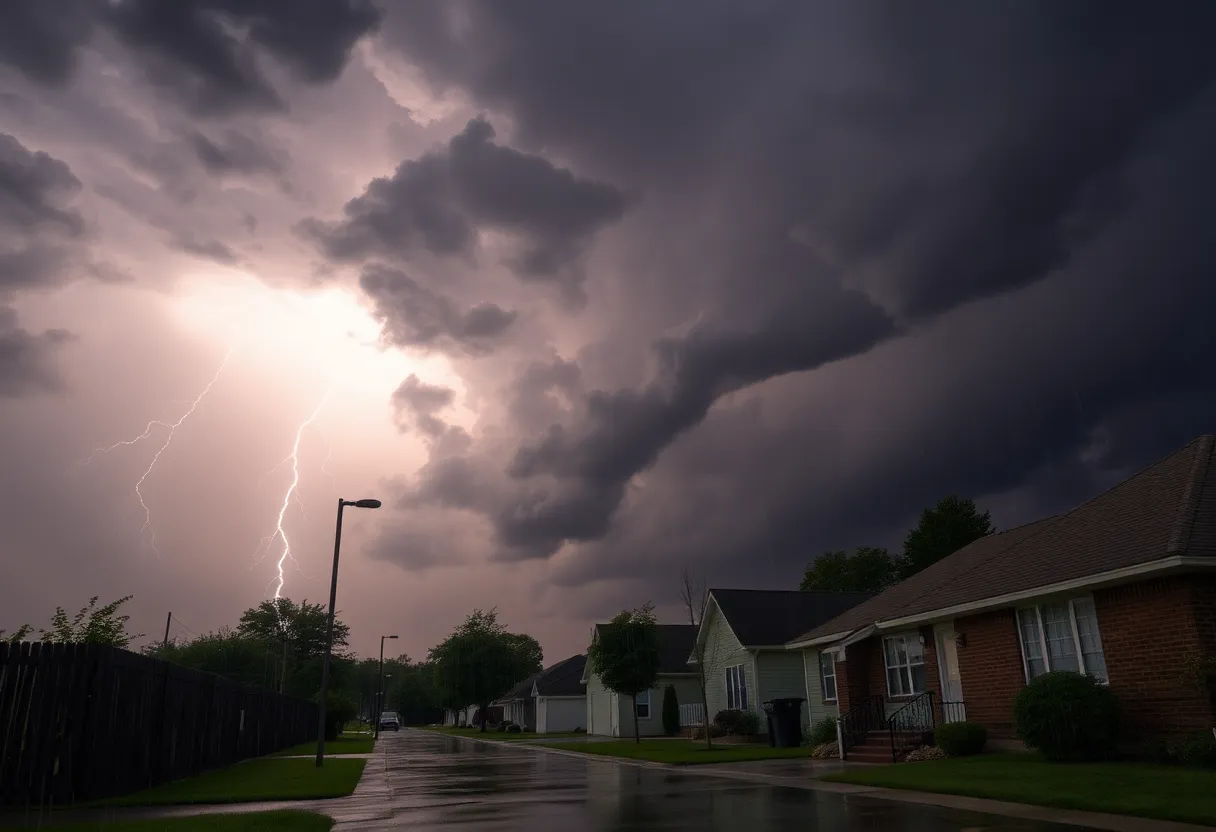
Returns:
(562,679)
(675,643)
(771,617)
(1168,509)
(521,691)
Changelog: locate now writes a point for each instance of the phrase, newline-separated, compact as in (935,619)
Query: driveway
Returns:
(422,781)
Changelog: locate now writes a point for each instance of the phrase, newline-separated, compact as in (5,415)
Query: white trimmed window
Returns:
(736,688)
(643,700)
(904,657)
(1069,629)
(827,675)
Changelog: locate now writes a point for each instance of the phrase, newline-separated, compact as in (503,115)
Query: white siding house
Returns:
(611,715)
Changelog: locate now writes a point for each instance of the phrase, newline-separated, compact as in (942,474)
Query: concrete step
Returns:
(858,754)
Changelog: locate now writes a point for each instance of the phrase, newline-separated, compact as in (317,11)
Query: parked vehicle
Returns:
(389,721)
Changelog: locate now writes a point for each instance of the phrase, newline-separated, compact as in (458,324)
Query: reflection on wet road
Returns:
(437,782)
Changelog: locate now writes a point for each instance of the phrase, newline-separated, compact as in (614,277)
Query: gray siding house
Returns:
(743,634)
(610,715)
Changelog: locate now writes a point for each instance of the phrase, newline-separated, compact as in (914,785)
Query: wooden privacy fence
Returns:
(86,721)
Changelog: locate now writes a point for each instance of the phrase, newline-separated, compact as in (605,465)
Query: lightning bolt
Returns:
(171,427)
(291,494)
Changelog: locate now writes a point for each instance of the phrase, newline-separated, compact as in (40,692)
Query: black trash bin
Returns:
(784,722)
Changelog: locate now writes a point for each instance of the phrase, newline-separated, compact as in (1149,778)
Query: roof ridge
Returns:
(1188,506)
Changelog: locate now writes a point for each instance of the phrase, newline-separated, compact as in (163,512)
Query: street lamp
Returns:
(329,629)
(380,686)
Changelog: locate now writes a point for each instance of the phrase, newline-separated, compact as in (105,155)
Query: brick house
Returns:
(1120,588)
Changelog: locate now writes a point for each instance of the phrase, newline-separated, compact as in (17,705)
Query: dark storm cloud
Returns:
(418,403)
(26,358)
(414,316)
(205,53)
(879,172)
(236,152)
(41,244)
(443,199)
(212,250)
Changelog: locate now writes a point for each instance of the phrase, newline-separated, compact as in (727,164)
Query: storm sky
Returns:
(584,292)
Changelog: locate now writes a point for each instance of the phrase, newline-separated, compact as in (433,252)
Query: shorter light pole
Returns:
(329,629)
(380,686)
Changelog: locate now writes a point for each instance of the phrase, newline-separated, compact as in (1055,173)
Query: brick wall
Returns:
(991,669)
(865,672)
(1146,629)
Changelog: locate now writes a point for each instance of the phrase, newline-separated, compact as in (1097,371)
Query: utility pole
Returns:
(165,642)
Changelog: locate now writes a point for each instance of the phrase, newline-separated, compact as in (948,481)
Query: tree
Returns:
(943,529)
(671,711)
(92,625)
(301,625)
(480,661)
(695,596)
(18,635)
(625,655)
(867,569)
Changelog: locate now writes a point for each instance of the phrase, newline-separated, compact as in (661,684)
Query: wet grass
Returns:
(279,821)
(344,744)
(1150,791)
(265,778)
(682,752)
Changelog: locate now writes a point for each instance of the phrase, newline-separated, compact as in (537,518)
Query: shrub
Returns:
(927,752)
(715,730)
(727,720)
(960,739)
(514,729)
(821,731)
(579,730)
(671,711)
(339,710)
(1067,716)
(748,724)
(1197,750)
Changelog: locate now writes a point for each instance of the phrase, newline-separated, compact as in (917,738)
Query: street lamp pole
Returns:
(329,628)
(380,686)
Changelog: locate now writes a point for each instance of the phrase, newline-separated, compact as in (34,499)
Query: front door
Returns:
(952,681)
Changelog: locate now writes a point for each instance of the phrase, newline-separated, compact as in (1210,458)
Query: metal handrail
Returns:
(918,715)
(867,716)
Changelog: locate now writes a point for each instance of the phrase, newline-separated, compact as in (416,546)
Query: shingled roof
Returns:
(1168,509)
(771,617)
(563,678)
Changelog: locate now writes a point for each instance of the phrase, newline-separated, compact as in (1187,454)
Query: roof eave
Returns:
(1125,574)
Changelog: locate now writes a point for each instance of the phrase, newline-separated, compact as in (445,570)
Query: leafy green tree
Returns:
(92,625)
(480,661)
(17,636)
(301,625)
(625,655)
(227,653)
(867,569)
(671,711)
(943,529)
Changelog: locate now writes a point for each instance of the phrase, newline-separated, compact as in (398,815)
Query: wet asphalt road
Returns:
(446,783)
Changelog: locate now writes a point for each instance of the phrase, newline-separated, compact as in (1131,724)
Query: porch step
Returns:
(873,754)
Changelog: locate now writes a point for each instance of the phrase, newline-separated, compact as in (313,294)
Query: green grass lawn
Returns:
(500,735)
(281,821)
(1151,791)
(344,744)
(681,752)
(262,779)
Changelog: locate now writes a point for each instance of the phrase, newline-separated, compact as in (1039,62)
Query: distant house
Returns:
(549,700)
(560,699)
(1121,588)
(519,705)
(610,715)
(743,634)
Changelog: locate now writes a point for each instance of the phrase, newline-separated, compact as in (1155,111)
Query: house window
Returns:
(904,656)
(643,700)
(736,688)
(827,676)
(1062,635)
